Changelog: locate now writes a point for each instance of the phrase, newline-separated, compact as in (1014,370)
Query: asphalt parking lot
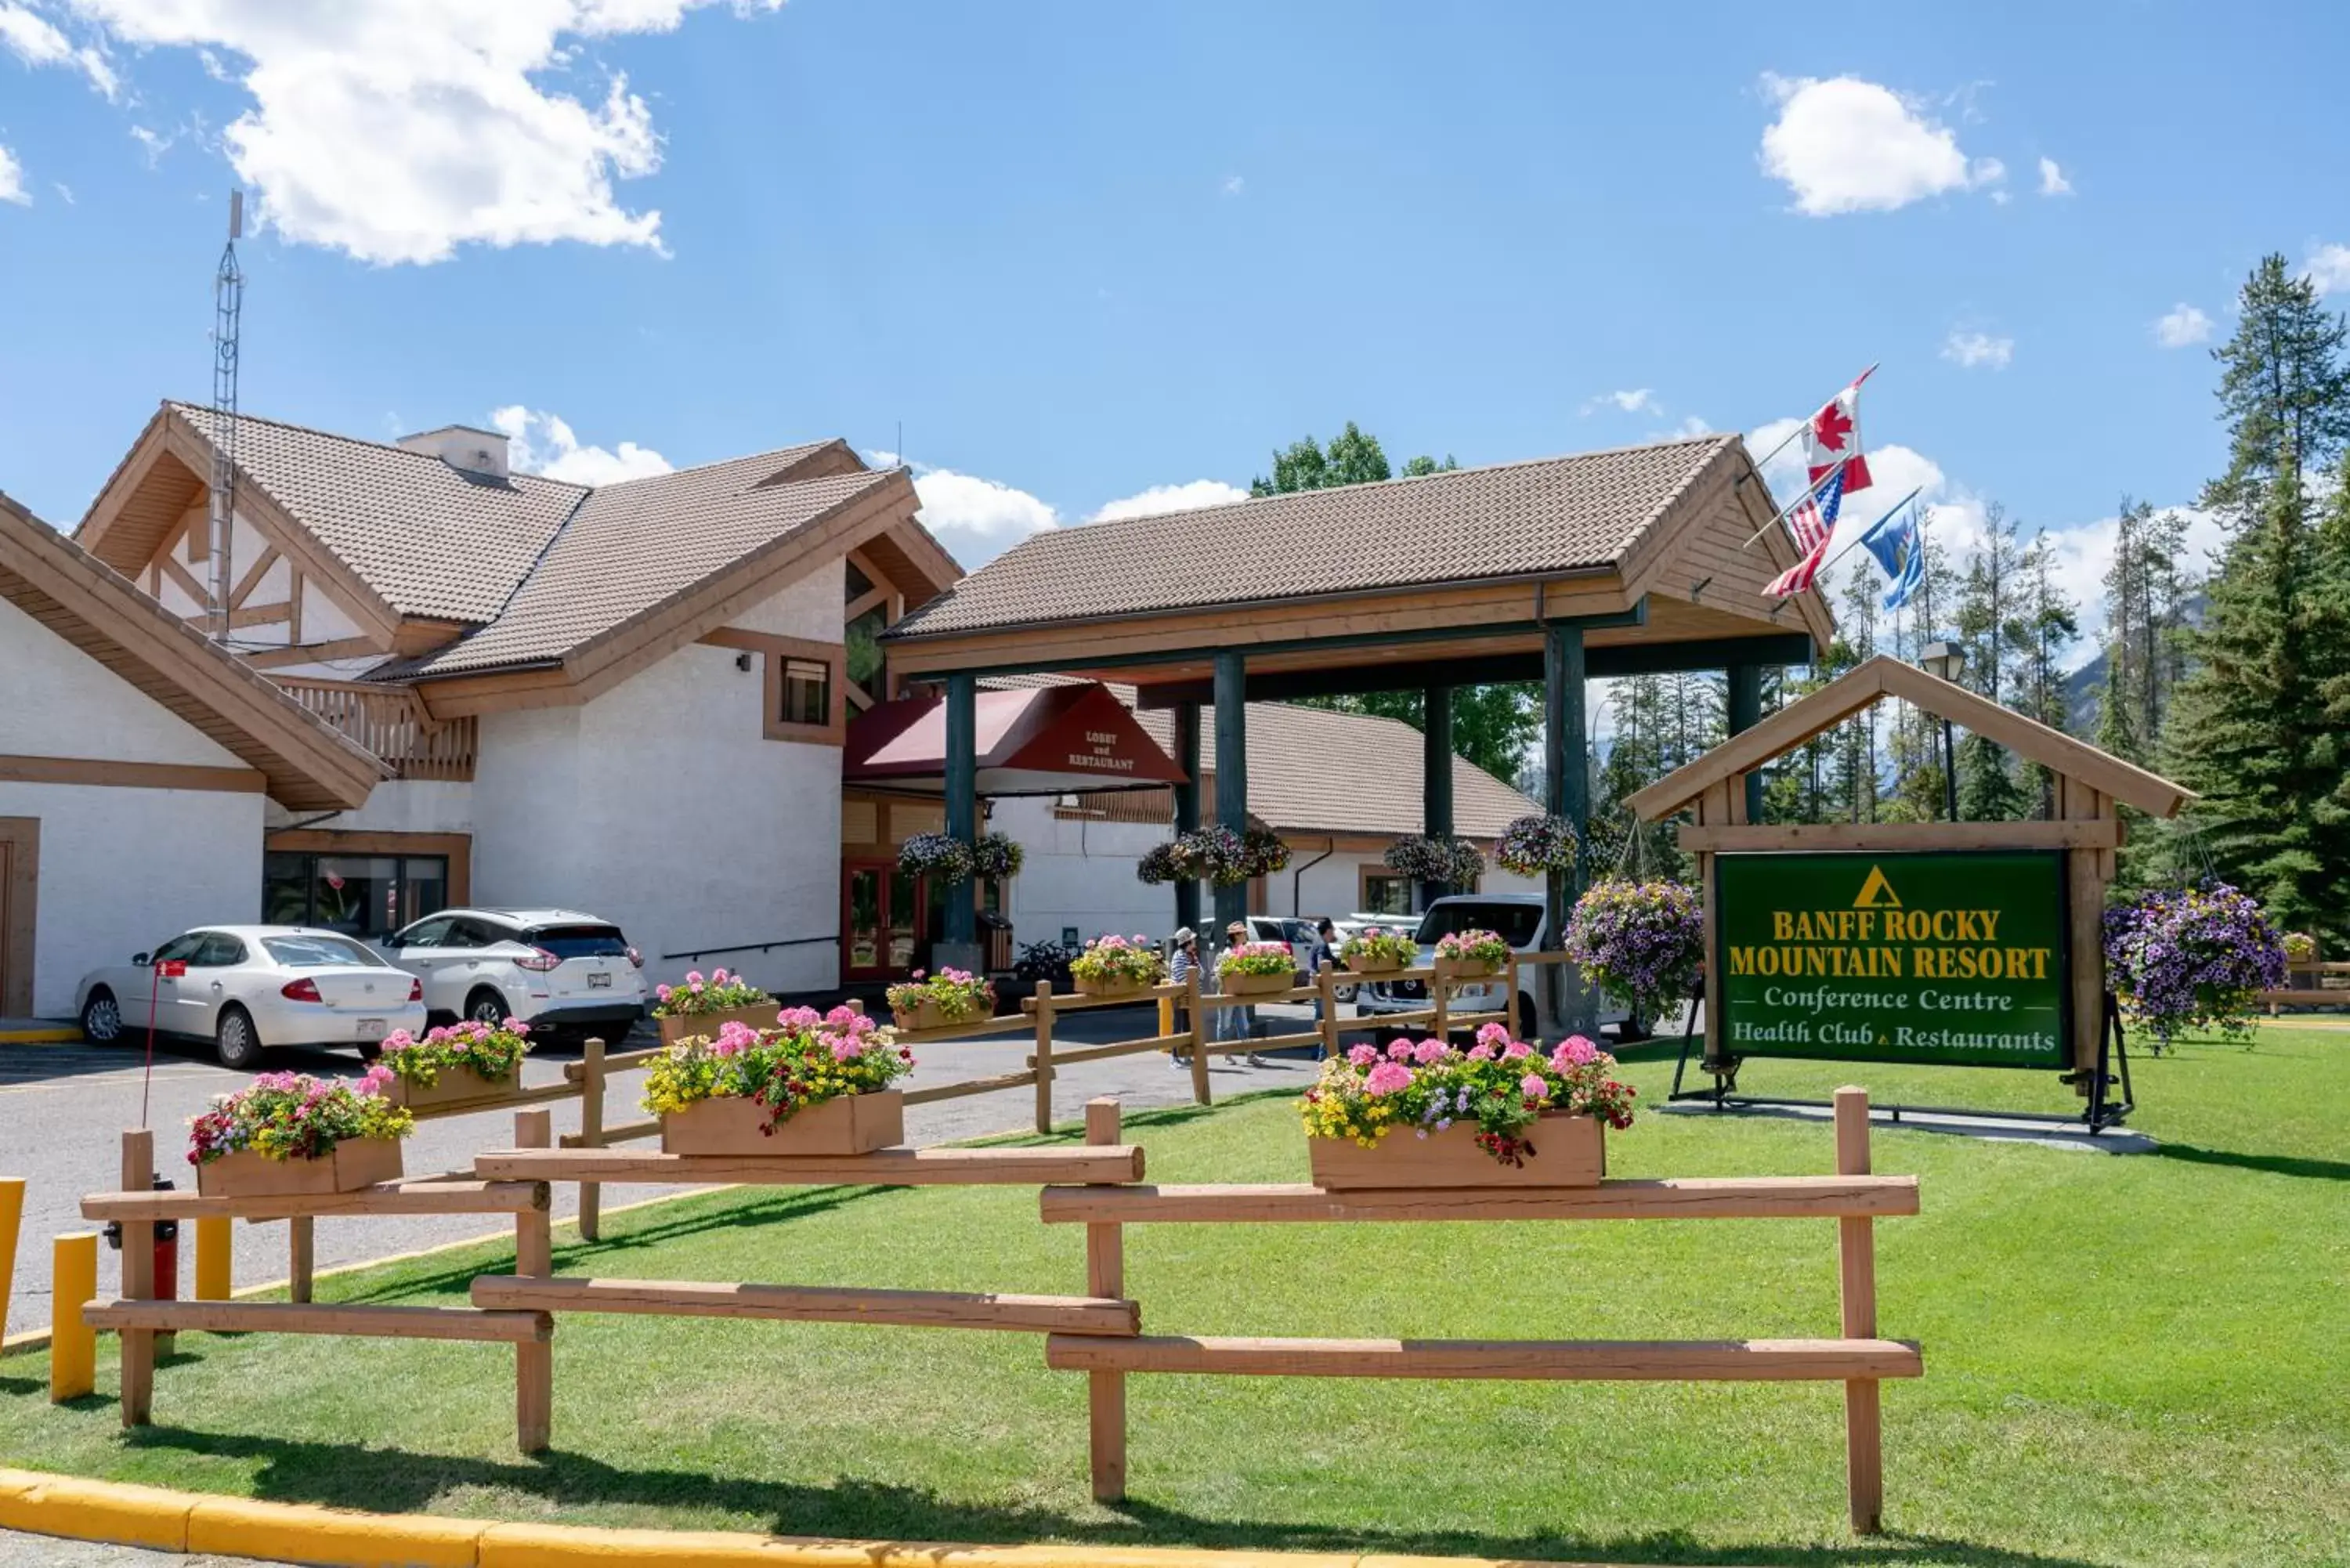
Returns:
(63,1109)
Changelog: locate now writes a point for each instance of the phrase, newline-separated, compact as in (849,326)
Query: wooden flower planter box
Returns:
(350,1165)
(931,1015)
(1254,984)
(760,1015)
(853,1124)
(1376,966)
(1569,1151)
(1472,969)
(1103,988)
(455,1087)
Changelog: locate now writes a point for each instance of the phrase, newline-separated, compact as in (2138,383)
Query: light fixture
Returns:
(742,661)
(1943,659)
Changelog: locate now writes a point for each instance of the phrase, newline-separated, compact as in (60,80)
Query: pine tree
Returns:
(1991,630)
(2050,624)
(1915,745)
(1855,768)
(2284,391)
(2121,704)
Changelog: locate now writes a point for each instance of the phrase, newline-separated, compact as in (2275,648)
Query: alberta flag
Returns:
(1895,544)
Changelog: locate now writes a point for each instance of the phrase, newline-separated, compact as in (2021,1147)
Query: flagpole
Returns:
(1802,425)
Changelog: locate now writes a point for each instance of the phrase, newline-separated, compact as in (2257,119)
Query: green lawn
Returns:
(2129,1360)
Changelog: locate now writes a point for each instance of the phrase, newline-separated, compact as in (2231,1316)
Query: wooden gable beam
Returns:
(253,576)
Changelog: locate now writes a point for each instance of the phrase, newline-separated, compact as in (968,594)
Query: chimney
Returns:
(479,452)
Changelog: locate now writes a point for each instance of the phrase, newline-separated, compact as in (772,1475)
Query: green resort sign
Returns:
(1953,957)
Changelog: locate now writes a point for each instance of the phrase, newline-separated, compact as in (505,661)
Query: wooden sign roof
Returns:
(1882,677)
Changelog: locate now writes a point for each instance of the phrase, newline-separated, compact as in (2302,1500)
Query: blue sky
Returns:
(1083,252)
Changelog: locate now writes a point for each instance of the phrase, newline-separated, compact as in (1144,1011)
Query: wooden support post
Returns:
(1510,984)
(1328,988)
(1199,1035)
(1044,1056)
(534,1255)
(215,1259)
(1864,1448)
(591,1136)
(1232,771)
(1435,775)
(73,1344)
(138,1279)
(1187,810)
(301,1257)
(1440,997)
(1106,1277)
(1745,693)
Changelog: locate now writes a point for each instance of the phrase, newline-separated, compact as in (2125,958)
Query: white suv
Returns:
(1519,919)
(558,971)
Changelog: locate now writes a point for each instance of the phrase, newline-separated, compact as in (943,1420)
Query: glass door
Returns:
(863,921)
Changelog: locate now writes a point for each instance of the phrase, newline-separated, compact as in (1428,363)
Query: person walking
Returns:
(1180,963)
(1325,951)
(1239,1023)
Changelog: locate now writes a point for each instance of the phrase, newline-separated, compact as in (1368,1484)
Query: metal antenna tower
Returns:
(228,304)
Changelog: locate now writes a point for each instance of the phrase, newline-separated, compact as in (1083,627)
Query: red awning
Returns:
(1049,740)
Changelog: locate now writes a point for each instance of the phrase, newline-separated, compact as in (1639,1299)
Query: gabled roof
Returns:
(1883,676)
(1036,740)
(1551,516)
(307,764)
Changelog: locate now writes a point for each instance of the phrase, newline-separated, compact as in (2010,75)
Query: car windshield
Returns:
(1514,923)
(313,952)
(580,941)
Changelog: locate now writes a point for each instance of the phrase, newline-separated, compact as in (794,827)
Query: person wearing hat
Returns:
(1183,961)
(1239,1023)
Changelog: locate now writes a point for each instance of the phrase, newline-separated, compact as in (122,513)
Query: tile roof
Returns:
(1551,515)
(631,546)
(1316,769)
(429,540)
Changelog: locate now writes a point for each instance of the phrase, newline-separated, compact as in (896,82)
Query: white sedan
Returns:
(247,988)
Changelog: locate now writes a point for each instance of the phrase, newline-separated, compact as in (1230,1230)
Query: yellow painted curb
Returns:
(69,1034)
(239,1527)
(95,1511)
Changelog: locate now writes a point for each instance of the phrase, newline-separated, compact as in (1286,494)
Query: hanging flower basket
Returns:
(1643,942)
(1535,846)
(937,855)
(996,857)
(2192,959)
(1501,1114)
(288,1132)
(814,1083)
(1216,854)
(1455,862)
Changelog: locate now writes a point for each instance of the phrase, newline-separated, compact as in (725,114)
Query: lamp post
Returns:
(1946,660)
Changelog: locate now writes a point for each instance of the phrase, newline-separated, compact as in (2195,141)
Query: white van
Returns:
(1518,919)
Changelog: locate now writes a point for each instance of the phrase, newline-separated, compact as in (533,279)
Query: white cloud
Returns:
(2052,179)
(1234,184)
(1844,145)
(153,144)
(1170,498)
(978,519)
(64,191)
(38,42)
(2182,325)
(542,443)
(397,130)
(1690,428)
(12,179)
(2329,268)
(1634,400)
(1971,349)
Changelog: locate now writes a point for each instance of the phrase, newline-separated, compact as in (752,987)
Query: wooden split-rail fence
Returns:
(1099,1333)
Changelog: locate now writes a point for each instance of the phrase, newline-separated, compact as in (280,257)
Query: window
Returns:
(1513,923)
(807,692)
(179,950)
(365,896)
(319,952)
(579,941)
(1384,893)
(219,951)
(425,933)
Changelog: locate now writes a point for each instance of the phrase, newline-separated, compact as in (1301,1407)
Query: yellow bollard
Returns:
(11,1214)
(73,1344)
(1166,1016)
(214,1273)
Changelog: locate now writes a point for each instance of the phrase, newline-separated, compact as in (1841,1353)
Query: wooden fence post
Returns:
(534,1255)
(215,1259)
(1105,1277)
(1198,1036)
(591,1136)
(1439,995)
(1856,1253)
(1328,990)
(73,1344)
(1510,984)
(1044,1056)
(138,1279)
(301,1256)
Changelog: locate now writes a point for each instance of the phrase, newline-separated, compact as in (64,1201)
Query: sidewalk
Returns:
(39,1030)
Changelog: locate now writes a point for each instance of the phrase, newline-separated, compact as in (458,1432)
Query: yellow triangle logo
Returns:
(1876,893)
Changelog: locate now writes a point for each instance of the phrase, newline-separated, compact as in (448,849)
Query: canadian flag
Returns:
(1832,439)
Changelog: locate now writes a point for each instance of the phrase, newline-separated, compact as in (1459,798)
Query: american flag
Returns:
(1813,522)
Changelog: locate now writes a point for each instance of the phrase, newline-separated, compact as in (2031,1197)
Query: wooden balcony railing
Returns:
(392,722)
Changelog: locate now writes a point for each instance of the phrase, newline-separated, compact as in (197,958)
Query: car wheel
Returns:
(237,1042)
(486,1006)
(101,1018)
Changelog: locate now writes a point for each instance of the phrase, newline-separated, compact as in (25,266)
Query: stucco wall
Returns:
(662,807)
(397,805)
(1081,874)
(121,869)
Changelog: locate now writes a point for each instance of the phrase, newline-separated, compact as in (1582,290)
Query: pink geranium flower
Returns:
(1387,1078)
(1363,1055)
(1428,1051)
(1534,1086)
(1515,1049)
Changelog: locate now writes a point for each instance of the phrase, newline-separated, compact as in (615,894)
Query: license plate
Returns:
(597,979)
(373,1028)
